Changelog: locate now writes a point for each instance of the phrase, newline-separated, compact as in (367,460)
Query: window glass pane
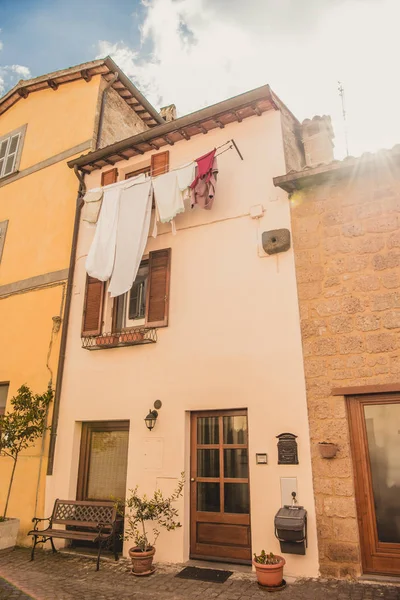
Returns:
(208,463)
(208,496)
(236,463)
(207,430)
(14,144)
(383,427)
(236,498)
(235,430)
(108,464)
(3,148)
(3,397)
(137,295)
(9,164)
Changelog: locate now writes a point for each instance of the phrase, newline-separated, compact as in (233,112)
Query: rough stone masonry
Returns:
(346,238)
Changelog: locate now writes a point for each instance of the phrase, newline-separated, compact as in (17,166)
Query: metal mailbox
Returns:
(291,529)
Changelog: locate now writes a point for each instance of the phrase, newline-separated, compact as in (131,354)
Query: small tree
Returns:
(139,510)
(22,426)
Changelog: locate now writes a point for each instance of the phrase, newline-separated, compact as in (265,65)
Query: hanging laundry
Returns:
(133,230)
(186,175)
(100,259)
(204,184)
(167,196)
(92,206)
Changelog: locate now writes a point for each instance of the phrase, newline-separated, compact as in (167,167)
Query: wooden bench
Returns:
(98,518)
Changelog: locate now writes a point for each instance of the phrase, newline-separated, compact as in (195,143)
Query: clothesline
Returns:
(161,171)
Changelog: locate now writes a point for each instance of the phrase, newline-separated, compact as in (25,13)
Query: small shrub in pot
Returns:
(269,569)
(145,516)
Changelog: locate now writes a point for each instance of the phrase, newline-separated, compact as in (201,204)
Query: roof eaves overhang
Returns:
(337,170)
(255,102)
(104,67)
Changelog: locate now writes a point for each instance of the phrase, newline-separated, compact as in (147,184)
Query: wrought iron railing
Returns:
(116,339)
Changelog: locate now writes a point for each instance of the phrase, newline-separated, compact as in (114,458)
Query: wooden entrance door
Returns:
(220,497)
(375,438)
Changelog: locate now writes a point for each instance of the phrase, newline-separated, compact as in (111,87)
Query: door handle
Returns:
(192,479)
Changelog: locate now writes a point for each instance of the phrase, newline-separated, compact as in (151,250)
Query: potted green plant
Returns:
(144,517)
(269,569)
(19,429)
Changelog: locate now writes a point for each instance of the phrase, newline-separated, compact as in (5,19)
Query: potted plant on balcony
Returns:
(269,569)
(144,517)
(19,429)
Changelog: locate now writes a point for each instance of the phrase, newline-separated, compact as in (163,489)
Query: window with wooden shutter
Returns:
(157,301)
(110,176)
(93,308)
(160,163)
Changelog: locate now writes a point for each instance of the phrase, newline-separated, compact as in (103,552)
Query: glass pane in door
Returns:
(108,465)
(208,496)
(383,438)
(207,430)
(207,463)
(235,430)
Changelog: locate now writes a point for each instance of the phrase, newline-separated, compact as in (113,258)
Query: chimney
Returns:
(318,137)
(168,113)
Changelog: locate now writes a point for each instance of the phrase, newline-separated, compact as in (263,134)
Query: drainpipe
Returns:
(64,334)
(103,103)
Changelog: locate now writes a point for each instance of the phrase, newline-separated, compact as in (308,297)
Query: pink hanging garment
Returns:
(203,186)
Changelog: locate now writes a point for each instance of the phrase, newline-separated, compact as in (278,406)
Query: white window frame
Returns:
(16,154)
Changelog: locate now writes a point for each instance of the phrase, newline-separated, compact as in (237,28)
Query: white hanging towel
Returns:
(167,195)
(133,230)
(186,175)
(100,260)
(92,206)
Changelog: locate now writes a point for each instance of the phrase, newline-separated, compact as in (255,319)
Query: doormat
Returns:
(211,575)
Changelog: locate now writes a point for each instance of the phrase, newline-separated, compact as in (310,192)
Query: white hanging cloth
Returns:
(133,230)
(170,191)
(100,259)
(92,206)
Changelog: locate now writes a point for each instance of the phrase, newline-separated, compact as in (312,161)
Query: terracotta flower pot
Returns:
(142,561)
(107,340)
(327,449)
(270,575)
(132,336)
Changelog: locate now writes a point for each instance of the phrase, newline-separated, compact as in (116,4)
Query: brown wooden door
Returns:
(220,495)
(375,438)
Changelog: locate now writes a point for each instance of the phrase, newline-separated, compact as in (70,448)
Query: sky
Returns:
(194,53)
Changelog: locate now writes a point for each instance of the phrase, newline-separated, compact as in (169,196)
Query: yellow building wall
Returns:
(57,120)
(40,208)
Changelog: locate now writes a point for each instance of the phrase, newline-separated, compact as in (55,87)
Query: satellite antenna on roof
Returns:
(341,94)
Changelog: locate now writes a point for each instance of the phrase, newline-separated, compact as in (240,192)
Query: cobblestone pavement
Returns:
(71,577)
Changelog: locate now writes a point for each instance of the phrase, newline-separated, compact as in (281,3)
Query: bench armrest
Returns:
(36,520)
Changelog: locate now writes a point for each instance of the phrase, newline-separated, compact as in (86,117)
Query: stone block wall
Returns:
(346,237)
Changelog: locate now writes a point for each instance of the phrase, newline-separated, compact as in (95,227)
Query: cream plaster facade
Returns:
(233,341)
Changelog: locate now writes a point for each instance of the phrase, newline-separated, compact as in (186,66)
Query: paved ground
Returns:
(71,577)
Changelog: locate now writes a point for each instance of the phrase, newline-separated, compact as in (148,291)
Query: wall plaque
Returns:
(287,449)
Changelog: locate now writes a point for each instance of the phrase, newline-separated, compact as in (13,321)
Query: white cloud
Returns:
(10,75)
(203,51)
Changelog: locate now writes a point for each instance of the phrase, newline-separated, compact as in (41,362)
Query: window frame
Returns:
(130,324)
(20,132)
(7,385)
(88,427)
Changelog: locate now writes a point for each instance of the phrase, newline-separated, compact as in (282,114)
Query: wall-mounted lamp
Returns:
(151,418)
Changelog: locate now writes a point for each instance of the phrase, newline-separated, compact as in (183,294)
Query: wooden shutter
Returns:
(160,163)
(157,301)
(110,176)
(93,307)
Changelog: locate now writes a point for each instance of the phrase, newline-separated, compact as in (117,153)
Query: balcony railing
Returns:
(116,339)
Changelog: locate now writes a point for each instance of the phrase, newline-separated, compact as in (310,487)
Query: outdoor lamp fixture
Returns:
(151,418)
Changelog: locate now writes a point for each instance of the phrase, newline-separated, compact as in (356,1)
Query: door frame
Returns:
(374,554)
(84,452)
(235,519)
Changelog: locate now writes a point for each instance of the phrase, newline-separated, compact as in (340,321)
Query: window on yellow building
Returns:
(10,151)
(3,397)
